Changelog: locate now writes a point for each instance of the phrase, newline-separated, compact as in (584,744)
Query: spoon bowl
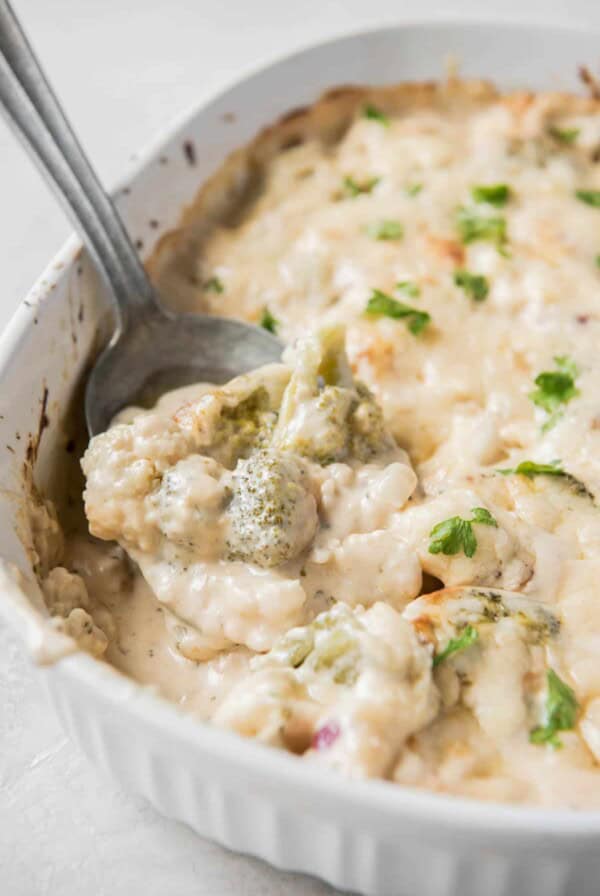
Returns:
(152,349)
(168,351)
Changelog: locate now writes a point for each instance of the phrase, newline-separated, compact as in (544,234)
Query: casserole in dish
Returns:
(359,854)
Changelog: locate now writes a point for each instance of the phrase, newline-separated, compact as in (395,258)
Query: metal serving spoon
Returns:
(150,343)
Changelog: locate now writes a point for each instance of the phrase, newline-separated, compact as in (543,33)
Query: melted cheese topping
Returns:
(394,206)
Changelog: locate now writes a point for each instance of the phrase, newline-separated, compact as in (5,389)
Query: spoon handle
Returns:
(34,111)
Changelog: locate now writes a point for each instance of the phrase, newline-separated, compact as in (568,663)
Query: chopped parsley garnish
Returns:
(381,303)
(561,712)
(495,194)
(413,189)
(482,515)
(374,114)
(409,288)
(590,197)
(213,284)
(530,469)
(354,188)
(597,260)
(564,135)
(268,322)
(467,637)
(555,388)
(385,230)
(475,285)
(456,534)
(472,227)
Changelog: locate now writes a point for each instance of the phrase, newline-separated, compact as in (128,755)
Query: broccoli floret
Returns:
(230,422)
(325,415)
(454,610)
(328,645)
(538,622)
(369,433)
(244,426)
(272,516)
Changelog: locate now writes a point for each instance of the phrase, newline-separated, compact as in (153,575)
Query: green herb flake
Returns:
(476,286)
(413,189)
(354,188)
(561,712)
(213,284)
(483,516)
(409,288)
(456,534)
(382,304)
(371,112)
(564,135)
(530,469)
(494,194)
(566,364)
(590,197)
(385,230)
(555,388)
(597,260)
(473,227)
(268,322)
(467,638)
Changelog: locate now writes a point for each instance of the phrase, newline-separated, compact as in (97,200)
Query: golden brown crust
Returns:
(444,594)
(231,189)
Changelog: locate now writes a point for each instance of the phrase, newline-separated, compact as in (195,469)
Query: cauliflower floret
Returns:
(473,441)
(273,708)
(393,697)
(125,466)
(191,642)
(353,685)
(189,504)
(362,499)
(324,414)
(122,467)
(499,557)
(221,604)
(365,568)
(80,626)
(273,514)
(489,652)
(64,591)
(66,596)
(356,556)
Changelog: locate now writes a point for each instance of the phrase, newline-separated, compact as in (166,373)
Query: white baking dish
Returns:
(371,837)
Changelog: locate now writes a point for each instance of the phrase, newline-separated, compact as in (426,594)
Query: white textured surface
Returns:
(64,828)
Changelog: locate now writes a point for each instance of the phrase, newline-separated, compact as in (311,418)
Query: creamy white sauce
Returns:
(144,651)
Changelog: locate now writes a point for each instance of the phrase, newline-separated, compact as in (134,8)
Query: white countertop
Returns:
(122,70)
